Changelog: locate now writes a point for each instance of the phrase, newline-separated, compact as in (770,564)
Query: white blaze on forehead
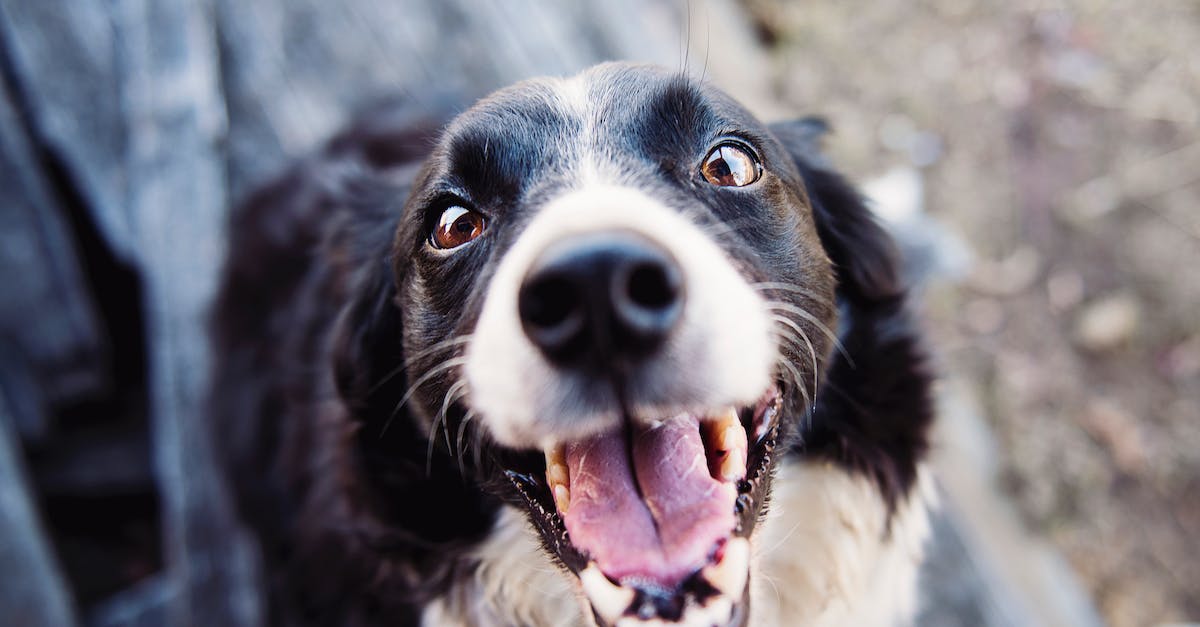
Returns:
(720,354)
(588,164)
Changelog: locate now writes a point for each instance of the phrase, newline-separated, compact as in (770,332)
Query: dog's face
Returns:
(615,305)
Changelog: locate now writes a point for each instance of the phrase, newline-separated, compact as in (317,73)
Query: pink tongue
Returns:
(668,536)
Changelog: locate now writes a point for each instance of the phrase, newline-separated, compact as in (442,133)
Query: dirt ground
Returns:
(1060,140)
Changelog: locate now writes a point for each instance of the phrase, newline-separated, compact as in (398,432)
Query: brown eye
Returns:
(457,226)
(730,165)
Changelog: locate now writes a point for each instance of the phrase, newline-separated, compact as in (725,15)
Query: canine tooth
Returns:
(556,465)
(556,474)
(555,455)
(729,575)
(609,600)
(733,466)
(728,418)
(562,498)
(731,437)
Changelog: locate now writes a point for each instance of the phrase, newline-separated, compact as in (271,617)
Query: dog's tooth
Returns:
(555,455)
(719,437)
(717,611)
(609,600)
(717,425)
(558,477)
(729,575)
(726,419)
(733,465)
(562,498)
(556,474)
(733,438)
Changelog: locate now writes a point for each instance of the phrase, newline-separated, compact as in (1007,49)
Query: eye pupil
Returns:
(729,165)
(457,226)
(721,170)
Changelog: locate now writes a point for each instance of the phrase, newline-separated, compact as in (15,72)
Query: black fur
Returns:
(874,411)
(329,285)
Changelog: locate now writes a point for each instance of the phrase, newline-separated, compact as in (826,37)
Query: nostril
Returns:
(548,302)
(652,286)
(549,308)
(647,299)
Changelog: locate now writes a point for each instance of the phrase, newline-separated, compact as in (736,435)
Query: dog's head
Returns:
(617,300)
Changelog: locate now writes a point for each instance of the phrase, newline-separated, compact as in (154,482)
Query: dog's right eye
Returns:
(730,165)
(457,226)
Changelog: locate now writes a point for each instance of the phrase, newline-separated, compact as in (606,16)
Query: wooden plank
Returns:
(33,594)
(51,346)
(294,70)
(176,181)
(62,57)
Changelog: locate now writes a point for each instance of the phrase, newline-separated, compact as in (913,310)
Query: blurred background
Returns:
(1038,161)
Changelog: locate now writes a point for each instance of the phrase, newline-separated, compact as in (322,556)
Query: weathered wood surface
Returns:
(50,343)
(33,593)
(148,118)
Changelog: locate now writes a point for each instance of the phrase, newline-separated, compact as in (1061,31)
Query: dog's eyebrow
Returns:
(495,151)
(682,118)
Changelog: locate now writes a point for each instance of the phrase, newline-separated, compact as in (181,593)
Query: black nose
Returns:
(601,299)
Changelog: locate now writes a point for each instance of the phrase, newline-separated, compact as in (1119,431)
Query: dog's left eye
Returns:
(730,165)
(457,226)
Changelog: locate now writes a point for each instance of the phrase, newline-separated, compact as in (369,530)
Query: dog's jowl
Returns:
(604,349)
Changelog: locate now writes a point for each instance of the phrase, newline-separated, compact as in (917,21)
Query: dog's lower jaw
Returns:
(827,554)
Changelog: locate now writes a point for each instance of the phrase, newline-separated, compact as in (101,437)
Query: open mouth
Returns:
(655,518)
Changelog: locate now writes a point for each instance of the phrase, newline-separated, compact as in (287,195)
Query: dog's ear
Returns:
(363,176)
(864,255)
(367,343)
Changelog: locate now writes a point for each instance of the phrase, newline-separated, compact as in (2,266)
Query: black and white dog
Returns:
(604,348)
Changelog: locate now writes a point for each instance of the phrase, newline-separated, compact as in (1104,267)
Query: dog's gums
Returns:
(656,513)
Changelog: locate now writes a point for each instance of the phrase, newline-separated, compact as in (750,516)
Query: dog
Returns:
(601,349)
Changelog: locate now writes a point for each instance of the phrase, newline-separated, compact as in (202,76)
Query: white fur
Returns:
(826,558)
(823,558)
(575,97)
(515,583)
(720,355)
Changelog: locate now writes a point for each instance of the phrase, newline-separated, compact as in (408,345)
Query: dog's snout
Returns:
(598,299)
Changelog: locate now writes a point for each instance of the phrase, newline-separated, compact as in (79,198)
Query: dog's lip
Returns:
(696,596)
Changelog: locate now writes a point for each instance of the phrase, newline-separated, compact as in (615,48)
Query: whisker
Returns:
(771,580)
(429,374)
(789,308)
(687,46)
(785,537)
(799,381)
(454,341)
(707,44)
(797,377)
(807,342)
(408,362)
(478,446)
(458,443)
(452,394)
(429,449)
